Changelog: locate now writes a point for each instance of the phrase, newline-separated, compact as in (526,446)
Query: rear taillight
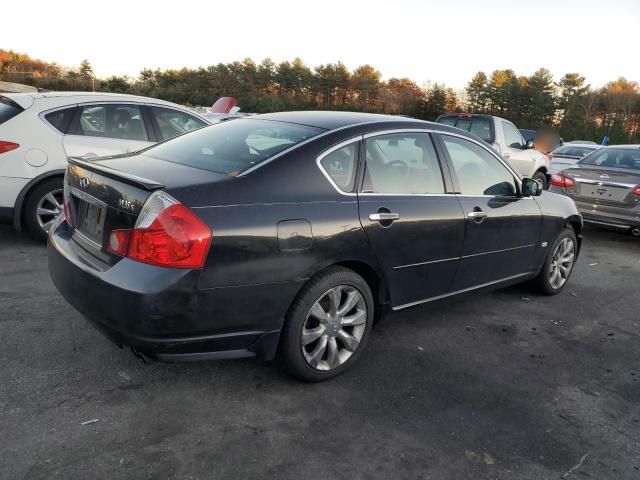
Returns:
(7,146)
(636,192)
(560,180)
(166,234)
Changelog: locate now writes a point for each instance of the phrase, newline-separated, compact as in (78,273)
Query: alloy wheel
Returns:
(334,327)
(562,263)
(48,209)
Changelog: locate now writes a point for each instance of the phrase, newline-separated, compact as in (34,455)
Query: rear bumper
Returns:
(621,218)
(160,312)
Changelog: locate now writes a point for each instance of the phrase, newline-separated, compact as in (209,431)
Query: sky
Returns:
(427,41)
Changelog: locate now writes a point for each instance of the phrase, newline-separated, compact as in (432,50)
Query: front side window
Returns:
(233,147)
(512,137)
(123,122)
(173,122)
(478,171)
(404,163)
(340,165)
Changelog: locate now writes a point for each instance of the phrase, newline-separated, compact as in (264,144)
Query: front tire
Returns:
(327,326)
(43,205)
(541,177)
(559,263)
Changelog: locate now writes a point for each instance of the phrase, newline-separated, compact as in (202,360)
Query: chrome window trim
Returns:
(328,152)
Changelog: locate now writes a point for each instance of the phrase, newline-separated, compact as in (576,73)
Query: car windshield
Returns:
(573,151)
(479,126)
(614,158)
(233,146)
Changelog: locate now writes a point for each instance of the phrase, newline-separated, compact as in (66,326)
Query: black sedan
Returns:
(288,234)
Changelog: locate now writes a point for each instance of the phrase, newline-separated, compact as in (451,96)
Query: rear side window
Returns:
(480,126)
(60,119)
(173,122)
(402,164)
(478,171)
(123,122)
(233,147)
(340,165)
(8,109)
(614,158)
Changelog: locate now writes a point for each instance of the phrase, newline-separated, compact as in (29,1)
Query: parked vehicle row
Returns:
(38,131)
(506,139)
(605,186)
(288,233)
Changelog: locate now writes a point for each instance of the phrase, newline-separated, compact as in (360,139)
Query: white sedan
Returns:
(38,131)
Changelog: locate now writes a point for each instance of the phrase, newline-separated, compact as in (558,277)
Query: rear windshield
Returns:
(573,151)
(614,158)
(8,109)
(479,126)
(233,146)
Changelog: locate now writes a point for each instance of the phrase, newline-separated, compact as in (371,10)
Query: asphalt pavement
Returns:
(501,385)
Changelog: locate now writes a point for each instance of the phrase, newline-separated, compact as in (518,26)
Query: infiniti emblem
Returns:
(85,182)
(604,176)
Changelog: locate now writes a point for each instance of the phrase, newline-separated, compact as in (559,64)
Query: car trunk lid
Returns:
(108,194)
(606,186)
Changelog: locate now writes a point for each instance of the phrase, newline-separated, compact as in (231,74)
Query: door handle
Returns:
(477,214)
(383,217)
(506,155)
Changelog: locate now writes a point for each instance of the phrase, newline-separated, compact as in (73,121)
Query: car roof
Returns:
(471,115)
(623,147)
(330,120)
(584,145)
(56,99)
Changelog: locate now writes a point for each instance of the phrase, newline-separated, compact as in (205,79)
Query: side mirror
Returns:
(531,187)
(529,145)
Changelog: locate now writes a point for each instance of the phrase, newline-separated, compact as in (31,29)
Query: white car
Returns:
(38,131)
(506,139)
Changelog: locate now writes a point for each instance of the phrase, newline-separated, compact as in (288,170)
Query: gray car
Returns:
(605,186)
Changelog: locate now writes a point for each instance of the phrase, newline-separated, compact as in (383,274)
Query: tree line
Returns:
(571,106)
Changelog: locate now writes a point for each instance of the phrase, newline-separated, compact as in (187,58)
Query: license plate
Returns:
(611,194)
(91,220)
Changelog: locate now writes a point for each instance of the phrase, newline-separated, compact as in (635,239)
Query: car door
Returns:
(515,150)
(107,129)
(413,223)
(169,122)
(502,228)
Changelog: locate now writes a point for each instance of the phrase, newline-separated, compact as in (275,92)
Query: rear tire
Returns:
(43,205)
(559,264)
(327,326)
(541,177)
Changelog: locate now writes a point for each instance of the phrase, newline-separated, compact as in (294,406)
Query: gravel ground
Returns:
(505,385)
